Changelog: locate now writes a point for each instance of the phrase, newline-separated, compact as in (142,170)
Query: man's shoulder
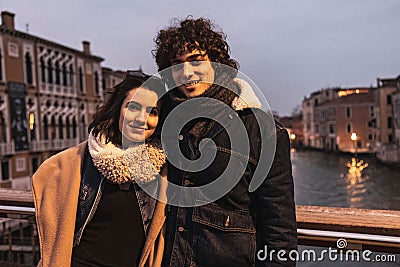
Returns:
(260,118)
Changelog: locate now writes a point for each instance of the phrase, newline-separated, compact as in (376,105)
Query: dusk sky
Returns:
(288,48)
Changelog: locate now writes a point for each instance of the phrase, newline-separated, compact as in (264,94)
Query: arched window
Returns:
(64,74)
(1,66)
(3,128)
(96,83)
(53,128)
(28,68)
(60,128)
(43,70)
(80,80)
(67,128)
(348,128)
(57,73)
(84,130)
(74,128)
(71,75)
(45,128)
(50,71)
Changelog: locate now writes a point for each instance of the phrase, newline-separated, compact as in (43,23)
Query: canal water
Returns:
(323,179)
(328,179)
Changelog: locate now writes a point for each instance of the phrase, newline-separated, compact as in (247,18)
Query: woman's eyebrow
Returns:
(133,102)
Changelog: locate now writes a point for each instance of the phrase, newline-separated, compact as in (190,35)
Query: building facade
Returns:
(387,115)
(331,116)
(48,94)
(309,106)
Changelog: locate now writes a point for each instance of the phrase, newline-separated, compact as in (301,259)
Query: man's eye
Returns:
(177,66)
(196,63)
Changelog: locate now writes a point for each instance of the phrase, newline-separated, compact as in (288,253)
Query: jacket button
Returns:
(181,229)
(180,137)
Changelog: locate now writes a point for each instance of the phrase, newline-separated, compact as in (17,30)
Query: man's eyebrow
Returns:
(190,58)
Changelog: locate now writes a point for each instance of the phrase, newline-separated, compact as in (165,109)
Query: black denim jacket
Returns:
(230,230)
(92,185)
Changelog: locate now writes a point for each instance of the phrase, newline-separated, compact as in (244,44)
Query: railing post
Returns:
(33,243)
(9,244)
(22,243)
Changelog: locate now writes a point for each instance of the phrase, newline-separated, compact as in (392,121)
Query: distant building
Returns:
(110,79)
(332,115)
(353,113)
(387,115)
(294,126)
(309,105)
(48,94)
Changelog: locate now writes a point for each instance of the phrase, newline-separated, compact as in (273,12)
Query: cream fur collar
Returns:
(139,164)
(247,97)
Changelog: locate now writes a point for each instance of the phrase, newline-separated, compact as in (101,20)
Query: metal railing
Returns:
(375,230)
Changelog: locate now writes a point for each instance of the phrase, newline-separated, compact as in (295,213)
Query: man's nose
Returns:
(187,69)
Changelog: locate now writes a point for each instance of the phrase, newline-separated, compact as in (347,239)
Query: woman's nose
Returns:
(141,117)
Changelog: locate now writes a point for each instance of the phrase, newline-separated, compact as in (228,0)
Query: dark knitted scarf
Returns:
(199,127)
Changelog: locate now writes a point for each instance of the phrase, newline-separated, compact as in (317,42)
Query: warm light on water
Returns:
(338,180)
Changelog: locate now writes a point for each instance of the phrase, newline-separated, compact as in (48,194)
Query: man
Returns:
(235,228)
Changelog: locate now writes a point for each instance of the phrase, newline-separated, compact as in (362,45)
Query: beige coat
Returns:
(55,188)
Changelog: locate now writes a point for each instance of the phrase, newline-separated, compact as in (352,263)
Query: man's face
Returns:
(193,72)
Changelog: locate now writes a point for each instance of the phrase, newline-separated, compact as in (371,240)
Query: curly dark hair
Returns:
(191,34)
(106,120)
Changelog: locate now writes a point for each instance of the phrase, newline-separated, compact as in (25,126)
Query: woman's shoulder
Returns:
(60,161)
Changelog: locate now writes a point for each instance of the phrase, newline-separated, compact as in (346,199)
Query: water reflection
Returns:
(356,184)
(329,179)
(355,169)
(338,180)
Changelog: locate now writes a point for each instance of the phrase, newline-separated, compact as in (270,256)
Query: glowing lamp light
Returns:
(292,136)
(353,137)
(31,121)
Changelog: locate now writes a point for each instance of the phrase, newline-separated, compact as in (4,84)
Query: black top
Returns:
(115,235)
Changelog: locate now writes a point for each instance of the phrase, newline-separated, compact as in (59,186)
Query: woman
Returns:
(90,210)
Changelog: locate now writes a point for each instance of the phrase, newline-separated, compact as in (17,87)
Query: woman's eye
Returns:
(133,106)
(154,112)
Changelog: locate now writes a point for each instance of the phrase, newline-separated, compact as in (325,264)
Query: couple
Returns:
(92,205)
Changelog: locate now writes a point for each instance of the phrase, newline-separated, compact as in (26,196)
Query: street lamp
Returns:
(353,138)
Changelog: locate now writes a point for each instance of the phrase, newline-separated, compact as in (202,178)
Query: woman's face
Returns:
(138,115)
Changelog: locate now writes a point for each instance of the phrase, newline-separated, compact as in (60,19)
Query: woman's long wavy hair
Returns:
(191,34)
(106,120)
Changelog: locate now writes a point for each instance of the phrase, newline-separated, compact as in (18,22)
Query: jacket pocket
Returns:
(223,237)
(223,219)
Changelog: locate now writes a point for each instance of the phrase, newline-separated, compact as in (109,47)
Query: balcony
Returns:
(49,145)
(7,149)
